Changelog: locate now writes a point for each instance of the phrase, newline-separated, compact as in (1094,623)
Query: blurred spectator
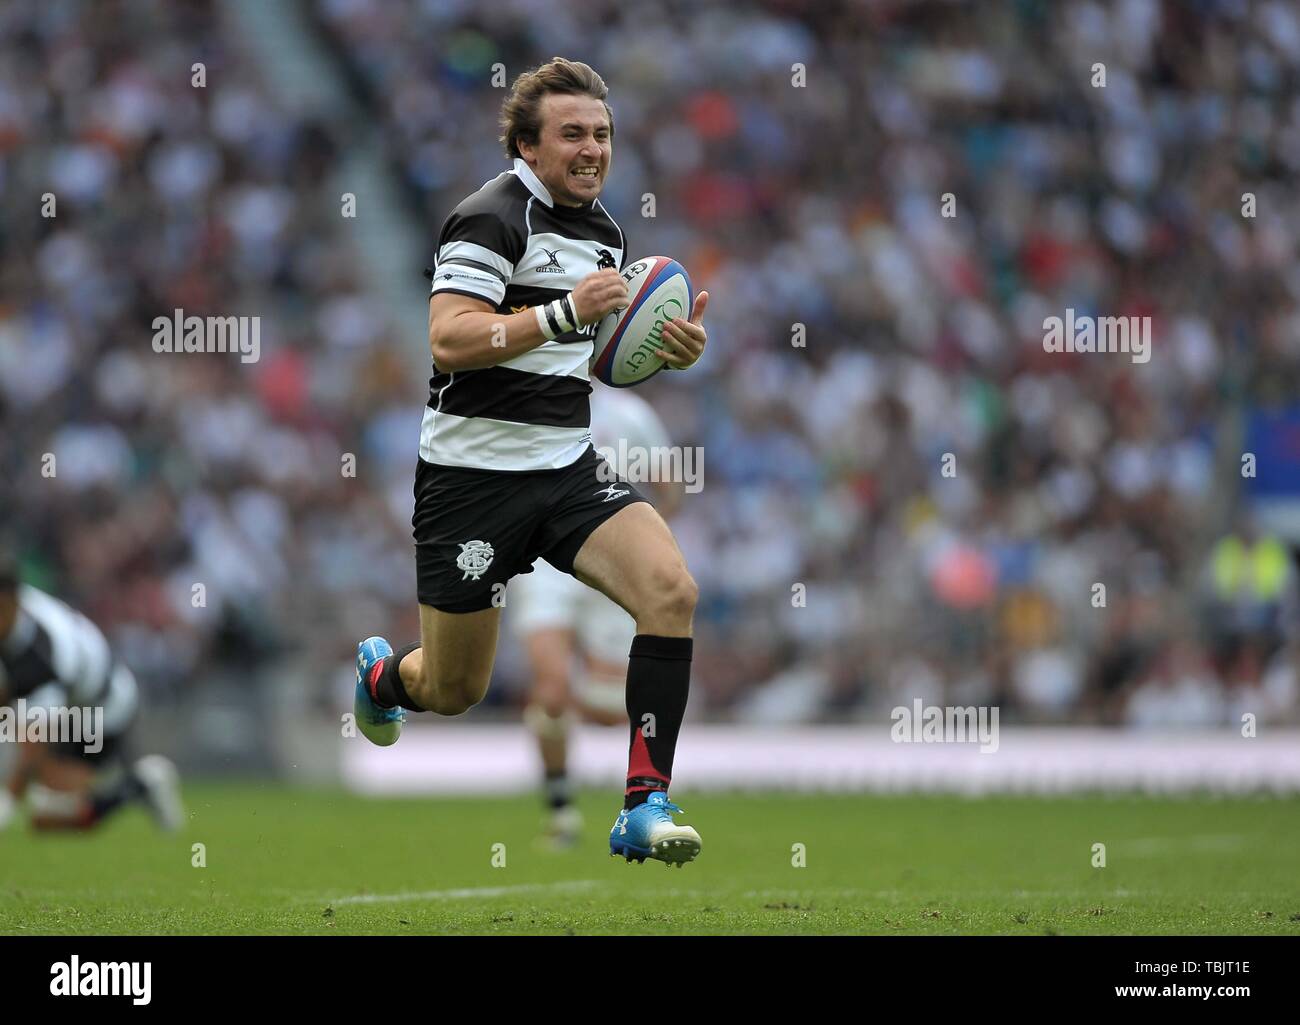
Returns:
(816,208)
(1249,577)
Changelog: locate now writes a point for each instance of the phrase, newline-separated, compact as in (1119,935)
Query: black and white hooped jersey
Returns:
(54,655)
(510,245)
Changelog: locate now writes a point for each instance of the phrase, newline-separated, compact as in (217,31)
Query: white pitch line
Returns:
(463,893)
(1202,843)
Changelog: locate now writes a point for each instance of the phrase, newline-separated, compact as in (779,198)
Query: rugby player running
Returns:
(525,269)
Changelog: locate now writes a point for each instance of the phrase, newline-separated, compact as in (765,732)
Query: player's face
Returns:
(574,141)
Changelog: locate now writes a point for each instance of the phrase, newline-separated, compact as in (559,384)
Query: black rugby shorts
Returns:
(475,529)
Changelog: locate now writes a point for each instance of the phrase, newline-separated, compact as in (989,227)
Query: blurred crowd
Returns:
(195,505)
(904,494)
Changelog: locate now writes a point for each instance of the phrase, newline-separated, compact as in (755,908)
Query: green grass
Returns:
(287,861)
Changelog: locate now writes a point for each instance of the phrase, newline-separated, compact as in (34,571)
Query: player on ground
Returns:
(526,268)
(52,657)
(576,640)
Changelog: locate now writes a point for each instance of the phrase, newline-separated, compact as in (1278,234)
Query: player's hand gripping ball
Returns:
(628,342)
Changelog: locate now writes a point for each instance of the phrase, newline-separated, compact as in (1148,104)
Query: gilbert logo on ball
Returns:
(660,289)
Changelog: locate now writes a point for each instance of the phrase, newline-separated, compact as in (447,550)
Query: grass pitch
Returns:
(290,861)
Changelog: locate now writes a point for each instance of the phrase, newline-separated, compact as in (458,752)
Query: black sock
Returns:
(388,691)
(658,681)
(107,800)
(557,790)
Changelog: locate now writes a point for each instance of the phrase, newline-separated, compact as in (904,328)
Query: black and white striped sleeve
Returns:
(26,657)
(477,252)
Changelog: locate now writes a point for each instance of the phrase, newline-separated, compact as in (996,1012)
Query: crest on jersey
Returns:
(605,260)
(552,265)
(474,558)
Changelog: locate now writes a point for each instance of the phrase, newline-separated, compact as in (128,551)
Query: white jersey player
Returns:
(75,703)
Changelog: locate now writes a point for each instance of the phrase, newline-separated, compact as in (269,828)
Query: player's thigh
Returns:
(458,649)
(633,558)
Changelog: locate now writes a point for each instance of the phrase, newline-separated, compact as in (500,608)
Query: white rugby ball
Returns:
(659,289)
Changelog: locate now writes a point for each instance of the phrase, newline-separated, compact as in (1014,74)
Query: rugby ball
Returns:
(659,289)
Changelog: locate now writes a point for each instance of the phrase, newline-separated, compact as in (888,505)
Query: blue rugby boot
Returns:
(378,725)
(648,831)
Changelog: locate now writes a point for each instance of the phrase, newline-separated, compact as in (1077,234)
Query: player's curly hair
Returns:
(521,112)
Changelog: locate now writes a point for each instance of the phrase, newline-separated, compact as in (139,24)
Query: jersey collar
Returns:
(534,183)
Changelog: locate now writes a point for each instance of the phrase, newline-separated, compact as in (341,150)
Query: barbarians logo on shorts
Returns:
(613,492)
(474,558)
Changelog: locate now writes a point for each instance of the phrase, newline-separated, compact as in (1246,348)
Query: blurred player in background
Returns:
(577,640)
(52,657)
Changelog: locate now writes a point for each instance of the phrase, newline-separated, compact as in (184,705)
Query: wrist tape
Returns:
(558,316)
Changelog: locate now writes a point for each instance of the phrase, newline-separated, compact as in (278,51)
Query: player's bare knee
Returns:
(673,597)
(457,696)
(553,704)
(551,694)
(452,706)
(682,595)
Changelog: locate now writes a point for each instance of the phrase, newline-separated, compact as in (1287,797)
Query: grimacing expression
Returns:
(573,149)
